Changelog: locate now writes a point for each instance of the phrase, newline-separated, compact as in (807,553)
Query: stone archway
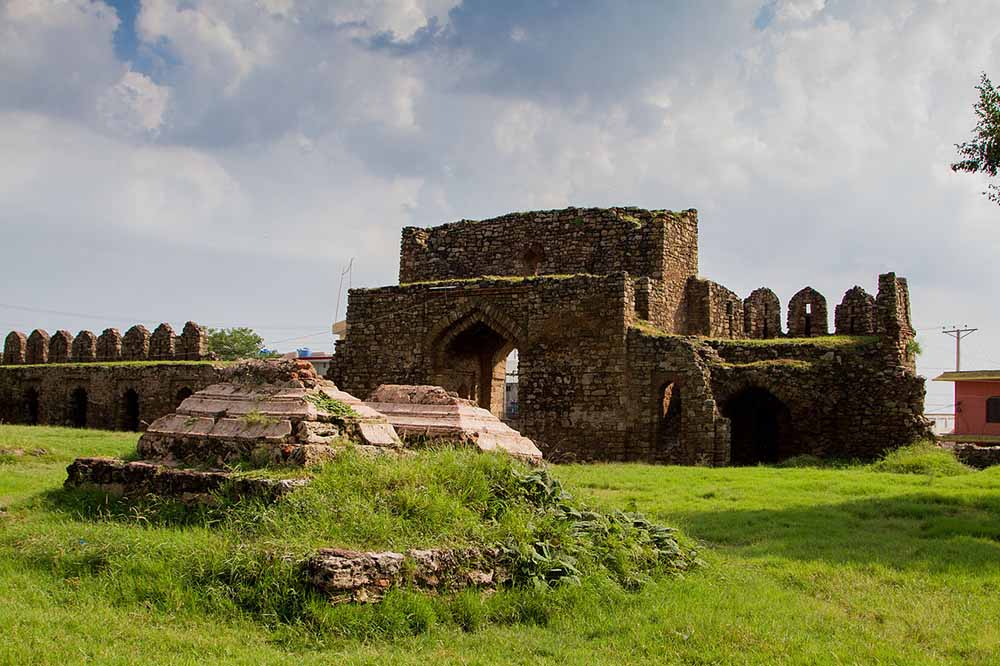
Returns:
(470,357)
(130,410)
(760,426)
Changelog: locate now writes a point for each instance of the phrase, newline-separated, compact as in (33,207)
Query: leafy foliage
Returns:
(981,154)
(332,406)
(230,344)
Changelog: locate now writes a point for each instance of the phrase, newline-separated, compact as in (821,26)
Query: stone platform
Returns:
(276,412)
(136,479)
(432,413)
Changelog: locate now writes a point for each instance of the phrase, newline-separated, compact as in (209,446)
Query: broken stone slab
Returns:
(432,413)
(268,412)
(139,478)
(351,576)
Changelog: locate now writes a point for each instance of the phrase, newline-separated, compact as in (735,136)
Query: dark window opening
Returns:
(183,395)
(760,426)
(78,408)
(993,409)
(130,419)
(31,406)
(808,327)
(669,408)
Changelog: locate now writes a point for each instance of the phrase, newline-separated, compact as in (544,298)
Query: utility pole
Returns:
(958,334)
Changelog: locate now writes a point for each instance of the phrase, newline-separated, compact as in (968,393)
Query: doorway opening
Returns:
(760,427)
(78,408)
(130,413)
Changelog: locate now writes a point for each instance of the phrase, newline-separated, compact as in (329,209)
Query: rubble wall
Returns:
(51,394)
(662,245)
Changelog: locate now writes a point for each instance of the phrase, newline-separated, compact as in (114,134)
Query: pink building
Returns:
(977,406)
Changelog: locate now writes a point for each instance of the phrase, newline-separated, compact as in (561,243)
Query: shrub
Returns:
(921,458)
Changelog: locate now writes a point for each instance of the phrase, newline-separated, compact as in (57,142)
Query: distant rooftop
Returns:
(969,376)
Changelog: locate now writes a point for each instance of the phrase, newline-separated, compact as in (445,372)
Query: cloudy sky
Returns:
(223,160)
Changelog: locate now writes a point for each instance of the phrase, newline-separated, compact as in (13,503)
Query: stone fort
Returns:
(625,352)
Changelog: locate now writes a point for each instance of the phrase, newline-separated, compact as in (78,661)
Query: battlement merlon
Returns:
(659,244)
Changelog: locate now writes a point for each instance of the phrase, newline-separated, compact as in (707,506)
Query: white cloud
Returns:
(817,149)
(135,105)
(56,56)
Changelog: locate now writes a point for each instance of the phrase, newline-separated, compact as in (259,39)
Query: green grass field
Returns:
(804,565)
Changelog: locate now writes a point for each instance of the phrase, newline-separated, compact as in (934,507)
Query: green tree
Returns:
(235,343)
(982,153)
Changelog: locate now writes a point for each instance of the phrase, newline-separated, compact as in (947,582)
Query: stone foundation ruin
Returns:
(625,353)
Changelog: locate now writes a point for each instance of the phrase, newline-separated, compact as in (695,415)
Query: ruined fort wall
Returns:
(596,241)
(680,365)
(569,333)
(713,310)
(843,401)
(50,394)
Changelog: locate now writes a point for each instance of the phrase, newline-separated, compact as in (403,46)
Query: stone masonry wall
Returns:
(843,401)
(50,394)
(569,333)
(713,310)
(596,241)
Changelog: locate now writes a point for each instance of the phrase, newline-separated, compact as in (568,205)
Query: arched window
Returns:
(78,408)
(993,409)
(130,412)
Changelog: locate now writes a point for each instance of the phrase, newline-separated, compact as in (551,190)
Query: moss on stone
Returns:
(499,278)
(772,363)
(332,406)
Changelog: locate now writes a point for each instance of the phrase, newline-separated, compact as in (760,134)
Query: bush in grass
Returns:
(921,458)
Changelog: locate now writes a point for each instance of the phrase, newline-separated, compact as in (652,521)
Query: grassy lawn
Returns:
(804,566)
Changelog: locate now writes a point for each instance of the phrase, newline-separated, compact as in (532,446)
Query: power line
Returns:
(117,318)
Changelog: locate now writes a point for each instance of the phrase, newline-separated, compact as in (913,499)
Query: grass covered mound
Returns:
(245,559)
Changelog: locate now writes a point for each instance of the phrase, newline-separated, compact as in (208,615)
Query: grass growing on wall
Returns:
(806,565)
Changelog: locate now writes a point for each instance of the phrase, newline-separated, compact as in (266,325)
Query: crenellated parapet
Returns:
(15,348)
(859,314)
(136,345)
(856,313)
(60,347)
(807,314)
(762,314)
(38,347)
